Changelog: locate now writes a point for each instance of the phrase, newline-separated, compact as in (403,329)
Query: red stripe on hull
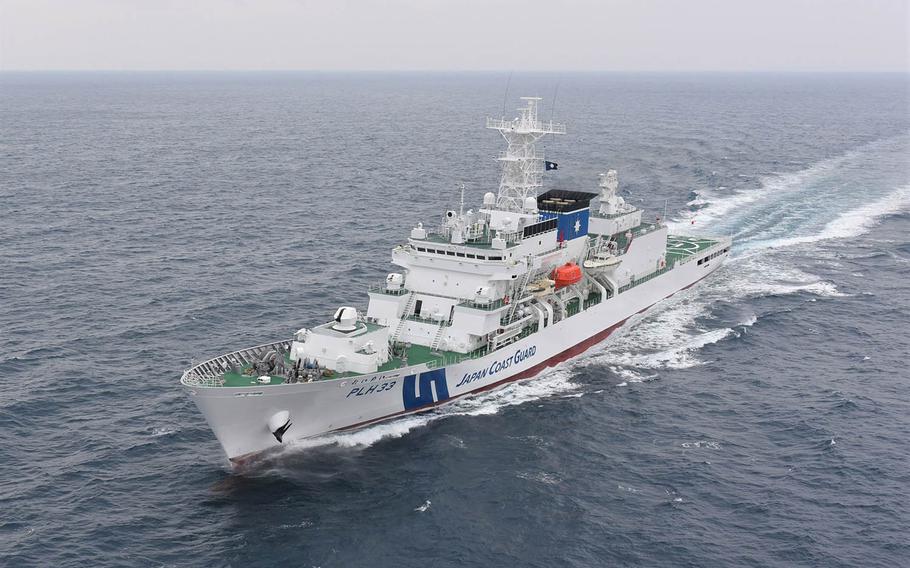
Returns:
(527,373)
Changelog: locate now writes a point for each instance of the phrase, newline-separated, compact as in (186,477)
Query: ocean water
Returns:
(758,419)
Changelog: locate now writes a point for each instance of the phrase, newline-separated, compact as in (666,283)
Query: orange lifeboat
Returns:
(569,273)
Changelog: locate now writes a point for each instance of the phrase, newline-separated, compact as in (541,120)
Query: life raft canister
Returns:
(567,274)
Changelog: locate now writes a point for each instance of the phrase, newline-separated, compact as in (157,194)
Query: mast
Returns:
(522,164)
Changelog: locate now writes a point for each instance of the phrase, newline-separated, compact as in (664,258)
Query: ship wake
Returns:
(553,382)
(776,226)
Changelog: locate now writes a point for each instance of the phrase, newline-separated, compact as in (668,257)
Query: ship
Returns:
(478,300)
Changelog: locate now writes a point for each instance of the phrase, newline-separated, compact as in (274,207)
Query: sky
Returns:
(451,35)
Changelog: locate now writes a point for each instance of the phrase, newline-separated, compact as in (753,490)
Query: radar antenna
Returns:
(522,164)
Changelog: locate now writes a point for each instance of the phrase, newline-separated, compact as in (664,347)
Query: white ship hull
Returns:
(239,415)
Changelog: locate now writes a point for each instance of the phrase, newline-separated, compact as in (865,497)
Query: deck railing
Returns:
(383,287)
(487,306)
(526,126)
(720,244)
(210,373)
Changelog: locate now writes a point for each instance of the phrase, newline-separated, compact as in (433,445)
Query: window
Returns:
(461,254)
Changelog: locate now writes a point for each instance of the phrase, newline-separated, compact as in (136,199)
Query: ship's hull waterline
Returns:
(239,416)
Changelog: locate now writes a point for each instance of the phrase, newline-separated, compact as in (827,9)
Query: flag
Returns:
(551,165)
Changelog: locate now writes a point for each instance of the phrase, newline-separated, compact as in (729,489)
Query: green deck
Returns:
(679,248)
(417,354)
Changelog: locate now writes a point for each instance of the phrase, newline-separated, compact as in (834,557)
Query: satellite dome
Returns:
(419,232)
(489,198)
(530,203)
(345,319)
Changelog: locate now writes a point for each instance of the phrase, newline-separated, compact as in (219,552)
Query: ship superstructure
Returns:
(488,297)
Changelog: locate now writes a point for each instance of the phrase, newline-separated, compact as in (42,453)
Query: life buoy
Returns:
(661,264)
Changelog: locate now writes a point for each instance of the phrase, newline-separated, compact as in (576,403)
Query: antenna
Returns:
(505,96)
(553,107)
(522,165)
(461,207)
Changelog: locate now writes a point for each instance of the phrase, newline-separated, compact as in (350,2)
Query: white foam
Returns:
(666,338)
(424,507)
(629,375)
(550,383)
(679,356)
(854,222)
(300,525)
(701,444)
(670,336)
(712,206)
(762,274)
(540,477)
(164,431)
(837,198)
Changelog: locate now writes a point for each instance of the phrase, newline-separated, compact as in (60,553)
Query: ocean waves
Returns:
(150,219)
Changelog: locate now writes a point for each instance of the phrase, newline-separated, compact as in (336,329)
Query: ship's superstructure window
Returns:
(539,227)
(713,255)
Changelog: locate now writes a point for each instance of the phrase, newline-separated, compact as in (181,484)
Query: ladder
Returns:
(518,293)
(401,323)
(439,335)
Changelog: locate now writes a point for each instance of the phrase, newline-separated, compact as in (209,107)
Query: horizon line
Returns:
(579,71)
